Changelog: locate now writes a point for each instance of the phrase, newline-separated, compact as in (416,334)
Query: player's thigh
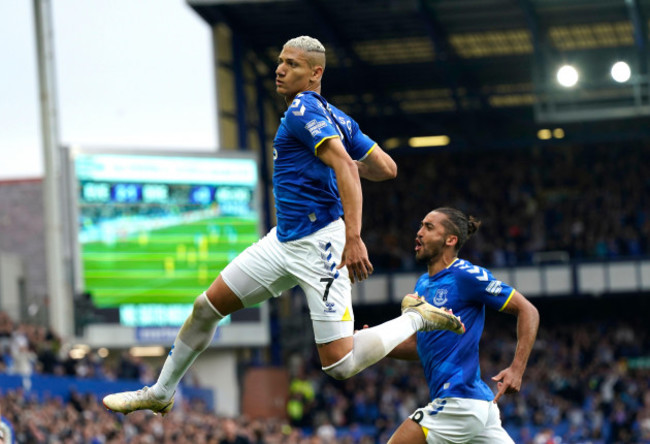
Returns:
(493,431)
(333,340)
(313,261)
(452,420)
(409,432)
(259,272)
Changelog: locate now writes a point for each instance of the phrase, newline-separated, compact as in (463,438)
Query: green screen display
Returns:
(159,229)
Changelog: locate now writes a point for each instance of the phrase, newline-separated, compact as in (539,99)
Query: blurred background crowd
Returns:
(587,382)
(588,379)
(589,201)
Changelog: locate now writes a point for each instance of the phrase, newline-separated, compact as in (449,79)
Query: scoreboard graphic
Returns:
(157,229)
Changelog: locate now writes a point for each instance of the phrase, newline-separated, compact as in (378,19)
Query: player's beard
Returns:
(430,253)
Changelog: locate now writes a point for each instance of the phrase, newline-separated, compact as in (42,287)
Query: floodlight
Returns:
(420,142)
(621,72)
(391,143)
(567,76)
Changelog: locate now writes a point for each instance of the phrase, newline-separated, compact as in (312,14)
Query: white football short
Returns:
(269,267)
(461,420)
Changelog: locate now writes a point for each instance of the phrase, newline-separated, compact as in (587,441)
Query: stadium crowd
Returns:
(588,379)
(592,202)
(587,382)
(29,348)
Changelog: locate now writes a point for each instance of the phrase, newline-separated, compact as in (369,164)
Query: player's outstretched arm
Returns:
(355,255)
(509,379)
(377,166)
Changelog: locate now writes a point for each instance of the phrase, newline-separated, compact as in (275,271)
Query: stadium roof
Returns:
(465,67)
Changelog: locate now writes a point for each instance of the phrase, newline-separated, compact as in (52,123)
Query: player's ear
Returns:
(316,73)
(451,240)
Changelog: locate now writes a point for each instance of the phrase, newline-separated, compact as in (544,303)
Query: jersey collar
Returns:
(452,263)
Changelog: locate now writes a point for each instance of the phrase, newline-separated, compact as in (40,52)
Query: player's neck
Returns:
(443,262)
(315,88)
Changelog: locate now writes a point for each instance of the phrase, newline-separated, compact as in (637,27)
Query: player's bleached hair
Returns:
(458,224)
(307,44)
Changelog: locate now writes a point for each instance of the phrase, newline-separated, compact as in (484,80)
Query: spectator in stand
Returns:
(231,433)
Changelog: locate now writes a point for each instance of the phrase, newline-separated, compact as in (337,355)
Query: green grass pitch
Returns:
(168,265)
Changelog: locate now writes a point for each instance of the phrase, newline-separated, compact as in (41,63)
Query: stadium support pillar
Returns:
(12,284)
(58,279)
(226,98)
(264,157)
(217,370)
(238,73)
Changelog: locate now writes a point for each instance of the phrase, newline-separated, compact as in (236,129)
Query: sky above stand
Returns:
(129,74)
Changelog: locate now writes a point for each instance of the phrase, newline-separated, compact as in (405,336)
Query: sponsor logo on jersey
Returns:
(494,287)
(314,127)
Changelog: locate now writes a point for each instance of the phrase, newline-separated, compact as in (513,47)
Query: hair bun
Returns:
(472,225)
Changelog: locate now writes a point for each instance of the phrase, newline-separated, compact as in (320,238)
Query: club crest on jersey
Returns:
(440,298)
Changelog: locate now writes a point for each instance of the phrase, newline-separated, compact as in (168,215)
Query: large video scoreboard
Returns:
(154,230)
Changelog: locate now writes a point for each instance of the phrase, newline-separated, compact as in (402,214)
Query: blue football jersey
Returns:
(305,190)
(451,361)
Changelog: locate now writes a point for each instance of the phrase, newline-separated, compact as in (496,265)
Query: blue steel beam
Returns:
(538,41)
(442,50)
(640,29)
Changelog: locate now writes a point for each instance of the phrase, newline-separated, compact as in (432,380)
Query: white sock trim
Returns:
(329,367)
(204,295)
(416,318)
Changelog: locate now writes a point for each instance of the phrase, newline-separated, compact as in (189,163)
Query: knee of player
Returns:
(342,369)
(203,308)
(337,374)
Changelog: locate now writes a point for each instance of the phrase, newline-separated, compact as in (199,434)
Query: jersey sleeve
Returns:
(360,144)
(309,122)
(477,284)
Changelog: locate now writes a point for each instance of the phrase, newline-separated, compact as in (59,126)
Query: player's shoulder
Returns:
(304,103)
(424,277)
(311,98)
(464,270)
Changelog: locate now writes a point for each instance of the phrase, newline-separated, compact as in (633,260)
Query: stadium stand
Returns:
(588,378)
(587,381)
(590,201)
